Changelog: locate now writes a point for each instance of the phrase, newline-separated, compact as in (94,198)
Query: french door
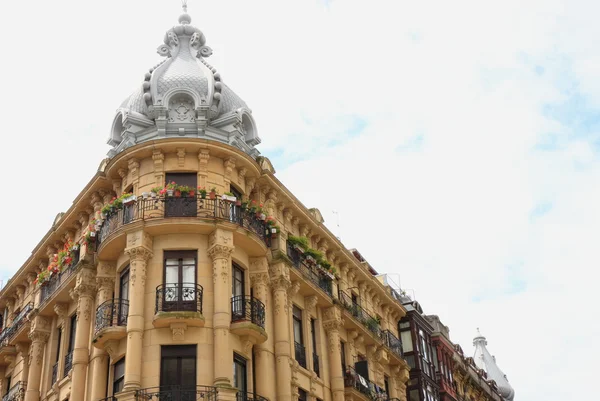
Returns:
(180,281)
(178,372)
(179,206)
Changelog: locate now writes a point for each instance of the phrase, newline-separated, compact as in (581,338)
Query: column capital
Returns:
(39,336)
(106,268)
(218,251)
(139,253)
(105,282)
(333,320)
(40,323)
(260,278)
(61,309)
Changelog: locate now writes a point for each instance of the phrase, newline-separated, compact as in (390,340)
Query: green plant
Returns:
(213,189)
(184,189)
(316,255)
(229,194)
(156,189)
(202,192)
(302,242)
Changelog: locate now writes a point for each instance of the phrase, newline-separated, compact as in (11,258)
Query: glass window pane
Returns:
(189,274)
(406,339)
(188,371)
(168,372)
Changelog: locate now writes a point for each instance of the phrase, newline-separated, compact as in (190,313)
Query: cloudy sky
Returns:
(455,142)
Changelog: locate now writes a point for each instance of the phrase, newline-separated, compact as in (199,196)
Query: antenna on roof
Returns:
(184,5)
(337,219)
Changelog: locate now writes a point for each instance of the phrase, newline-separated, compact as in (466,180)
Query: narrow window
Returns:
(301,395)
(179,293)
(298,338)
(343,352)
(119,376)
(124,284)
(240,376)
(57,359)
(238,304)
(313,331)
(71,345)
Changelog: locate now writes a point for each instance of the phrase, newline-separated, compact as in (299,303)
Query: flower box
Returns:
(325,271)
(129,199)
(228,198)
(273,230)
(310,259)
(298,248)
(262,216)
(145,195)
(170,192)
(153,194)
(92,234)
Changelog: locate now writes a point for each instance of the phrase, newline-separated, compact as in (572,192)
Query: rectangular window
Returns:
(240,376)
(297,315)
(118,376)
(237,282)
(180,281)
(313,331)
(72,334)
(178,366)
(386,385)
(177,205)
(124,284)
(301,395)
(343,352)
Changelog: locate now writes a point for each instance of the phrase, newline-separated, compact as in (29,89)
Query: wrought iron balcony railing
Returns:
(247,396)
(310,272)
(246,308)
(177,393)
(360,383)
(193,207)
(300,354)
(316,367)
(16,392)
(17,323)
(179,297)
(50,287)
(68,363)
(392,342)
(371,323)
(111,313)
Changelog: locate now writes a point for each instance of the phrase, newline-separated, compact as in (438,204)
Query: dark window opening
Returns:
(119,376)
(178,367)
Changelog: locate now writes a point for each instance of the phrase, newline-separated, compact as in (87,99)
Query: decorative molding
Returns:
(181,156)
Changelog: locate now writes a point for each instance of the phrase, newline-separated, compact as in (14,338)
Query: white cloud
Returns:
(440,185)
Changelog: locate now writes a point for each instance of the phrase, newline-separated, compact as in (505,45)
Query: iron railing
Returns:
(300,354)
(50,287)
(316,367)
(247,396)
(246,308)
(371,323)
(392,342)
(111,313)
(310,272)
(16,392)
(17,323)
(196,206)
(362,384)
(55,372)
(177,393)
(68,363)
(179,297)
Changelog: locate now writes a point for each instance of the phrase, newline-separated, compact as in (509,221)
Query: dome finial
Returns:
(184,19)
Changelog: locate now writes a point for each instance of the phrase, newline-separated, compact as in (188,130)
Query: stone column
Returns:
(280,283)
(219,250)
(400,380)
(140,251)
(39,335)
(332,324)
(260,284)
(83,295)
(203,158)
(98,378)
(23,355)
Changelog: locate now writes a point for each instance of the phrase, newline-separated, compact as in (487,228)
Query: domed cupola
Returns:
(484,360)
(183,96)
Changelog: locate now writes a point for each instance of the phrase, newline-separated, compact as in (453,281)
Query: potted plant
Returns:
(192,192)
(202,192)
(299,243)
(228,196)
(145,195)
(155,191)
(183,190)
(170,188)
(127,199)
(213,193)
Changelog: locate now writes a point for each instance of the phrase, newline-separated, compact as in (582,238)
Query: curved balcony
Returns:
(177,393)
(178,303)
(309,271)
(357,385)
(14,332)
(111,321)
(248,318)
(247,396)
(161,207)
(16,392)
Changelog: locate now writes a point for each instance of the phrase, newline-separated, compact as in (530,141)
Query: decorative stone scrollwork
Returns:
(310,302)
(333,320)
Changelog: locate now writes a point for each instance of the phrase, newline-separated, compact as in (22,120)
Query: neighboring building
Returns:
(415,335)
(176,295)
(443,358)
(485,361)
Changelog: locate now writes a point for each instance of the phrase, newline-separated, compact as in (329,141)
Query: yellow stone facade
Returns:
(82,368)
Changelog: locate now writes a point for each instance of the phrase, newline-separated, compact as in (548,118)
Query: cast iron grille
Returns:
(177,393)
(300,354)
(112,313)
(179,297)
(246,308)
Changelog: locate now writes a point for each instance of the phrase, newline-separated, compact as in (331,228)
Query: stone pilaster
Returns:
(332,324)
(83,294)
(280,284)
(260,280)
(220,250)
(38,335)
(98,377)
(203,158)
(139,251)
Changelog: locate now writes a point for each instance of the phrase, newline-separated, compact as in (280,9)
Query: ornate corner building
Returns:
(153,287)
